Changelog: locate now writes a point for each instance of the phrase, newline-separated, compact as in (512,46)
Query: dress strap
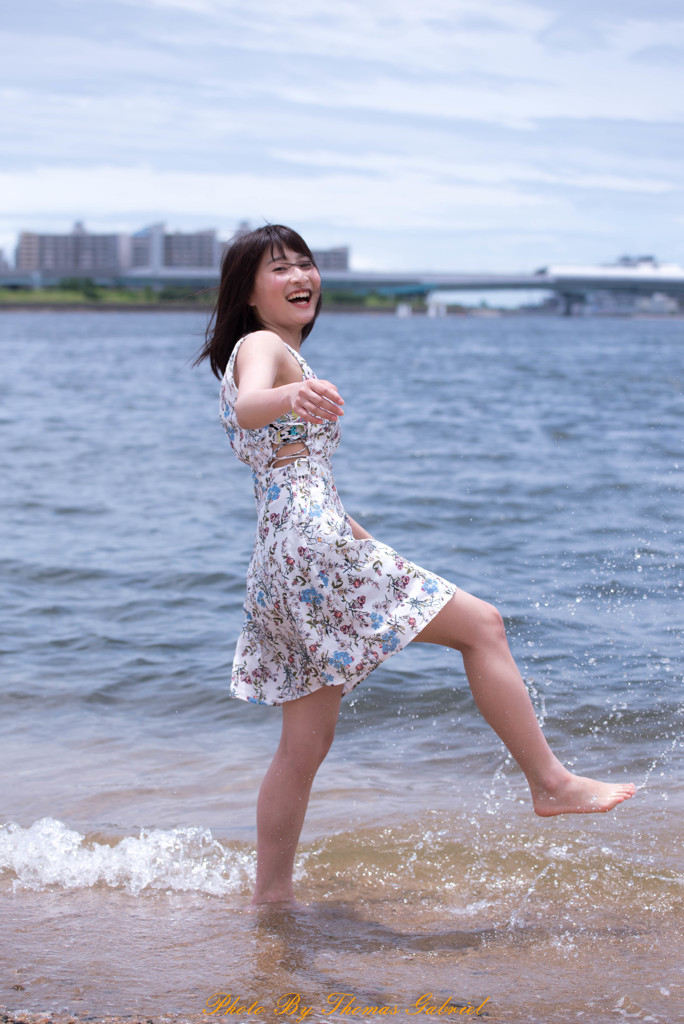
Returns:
(228,372)
(303,365)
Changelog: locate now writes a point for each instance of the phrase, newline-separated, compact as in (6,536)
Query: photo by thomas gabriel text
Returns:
(290,1006)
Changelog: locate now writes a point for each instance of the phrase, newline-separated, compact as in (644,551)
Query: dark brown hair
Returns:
(233,317)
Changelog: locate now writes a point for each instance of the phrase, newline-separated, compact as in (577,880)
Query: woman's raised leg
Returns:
(476,629)
(307,733)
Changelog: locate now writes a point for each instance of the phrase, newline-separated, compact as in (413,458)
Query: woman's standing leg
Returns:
(476,629)
(307,734)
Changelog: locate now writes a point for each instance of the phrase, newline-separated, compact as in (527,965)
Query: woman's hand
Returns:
(316,400)
(358,531)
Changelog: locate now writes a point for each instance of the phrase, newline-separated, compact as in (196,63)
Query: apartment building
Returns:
(332,259)
(151,252)
(79,253)
(153,249)
(82,253)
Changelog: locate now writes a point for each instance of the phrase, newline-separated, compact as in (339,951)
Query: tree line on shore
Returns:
(83,291)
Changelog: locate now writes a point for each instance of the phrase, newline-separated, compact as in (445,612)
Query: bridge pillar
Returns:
(571,301)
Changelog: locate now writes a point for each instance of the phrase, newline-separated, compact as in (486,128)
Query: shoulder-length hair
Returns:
(233,317)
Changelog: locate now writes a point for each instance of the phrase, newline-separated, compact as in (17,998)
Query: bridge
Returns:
(571,282)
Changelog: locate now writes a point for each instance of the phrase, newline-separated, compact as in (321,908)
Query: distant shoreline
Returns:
(113,307)
(100,307)
(70,305)
(474,313)
(165,307)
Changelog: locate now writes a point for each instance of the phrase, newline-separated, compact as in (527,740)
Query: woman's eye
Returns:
(300,264)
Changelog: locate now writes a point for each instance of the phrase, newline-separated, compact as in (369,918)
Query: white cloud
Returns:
(505,173)
(539,119)
(63,190)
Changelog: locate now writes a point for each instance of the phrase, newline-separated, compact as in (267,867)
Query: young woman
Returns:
(326,602)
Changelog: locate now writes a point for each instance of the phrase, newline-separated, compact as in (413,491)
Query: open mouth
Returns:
(301,298)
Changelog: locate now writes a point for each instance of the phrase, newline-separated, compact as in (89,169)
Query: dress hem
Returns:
(407,637)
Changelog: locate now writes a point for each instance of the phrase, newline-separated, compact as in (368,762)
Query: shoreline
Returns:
(475,313)
(100,307)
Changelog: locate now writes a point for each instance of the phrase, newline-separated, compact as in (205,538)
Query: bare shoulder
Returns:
(261,352)
(264,340)
(260,344)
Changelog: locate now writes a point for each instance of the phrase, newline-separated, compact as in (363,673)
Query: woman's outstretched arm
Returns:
(260,363)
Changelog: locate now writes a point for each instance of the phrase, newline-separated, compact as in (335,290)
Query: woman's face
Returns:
(286,291)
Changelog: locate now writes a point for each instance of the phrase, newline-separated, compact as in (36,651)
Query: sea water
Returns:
(537,462)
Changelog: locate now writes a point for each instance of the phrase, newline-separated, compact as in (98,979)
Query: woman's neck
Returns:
(291,336)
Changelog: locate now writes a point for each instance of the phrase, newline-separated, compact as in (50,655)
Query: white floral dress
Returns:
(322,608)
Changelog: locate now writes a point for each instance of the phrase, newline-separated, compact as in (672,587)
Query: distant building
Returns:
(147,248)
(332,259)
(199,249)
(152,249)
(149,254)
(79,254)
(4,265)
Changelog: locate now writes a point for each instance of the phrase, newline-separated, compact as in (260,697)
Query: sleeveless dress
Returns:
(322,609)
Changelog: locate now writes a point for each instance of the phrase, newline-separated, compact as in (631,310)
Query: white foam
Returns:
(48,853)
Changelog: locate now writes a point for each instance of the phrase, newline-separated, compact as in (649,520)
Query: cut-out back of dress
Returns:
(290,437)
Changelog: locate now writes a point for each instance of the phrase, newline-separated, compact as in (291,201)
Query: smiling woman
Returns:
(326,602)
(249,262)
(286,276)
(285,296)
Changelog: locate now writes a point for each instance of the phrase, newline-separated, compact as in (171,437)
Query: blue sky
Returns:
(443,134)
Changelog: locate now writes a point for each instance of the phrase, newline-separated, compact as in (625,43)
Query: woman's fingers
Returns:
(318,400)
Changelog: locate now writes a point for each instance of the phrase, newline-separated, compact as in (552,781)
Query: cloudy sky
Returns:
(443,134)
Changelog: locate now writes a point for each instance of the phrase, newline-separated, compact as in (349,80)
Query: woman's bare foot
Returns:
(573,794)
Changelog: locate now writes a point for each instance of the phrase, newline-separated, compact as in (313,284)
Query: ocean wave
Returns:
(48,854)
(496,868)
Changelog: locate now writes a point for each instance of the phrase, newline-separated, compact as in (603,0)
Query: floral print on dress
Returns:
(321,608)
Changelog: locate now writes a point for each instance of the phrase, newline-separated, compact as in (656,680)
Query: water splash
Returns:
(48,854)
(662,756)
(516,918)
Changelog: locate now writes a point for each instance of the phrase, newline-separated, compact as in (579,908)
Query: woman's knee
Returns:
(464,622)
(488,628)
(323,742)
